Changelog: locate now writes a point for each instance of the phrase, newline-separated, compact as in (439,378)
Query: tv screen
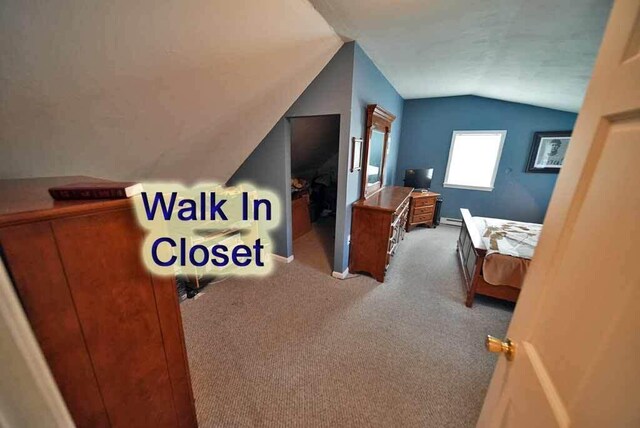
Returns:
(418,178)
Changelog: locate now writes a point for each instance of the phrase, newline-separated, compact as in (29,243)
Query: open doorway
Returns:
(314,186)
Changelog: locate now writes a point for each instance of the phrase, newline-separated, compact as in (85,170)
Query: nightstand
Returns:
(421,209)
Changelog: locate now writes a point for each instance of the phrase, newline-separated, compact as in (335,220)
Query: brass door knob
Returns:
(507,347)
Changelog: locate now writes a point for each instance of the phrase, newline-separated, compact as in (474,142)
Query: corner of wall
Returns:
(269,166)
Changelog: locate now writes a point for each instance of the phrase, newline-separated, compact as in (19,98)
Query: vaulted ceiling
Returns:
(537,52)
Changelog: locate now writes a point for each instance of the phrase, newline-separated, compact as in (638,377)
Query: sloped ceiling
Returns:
(537,52)
(177,89)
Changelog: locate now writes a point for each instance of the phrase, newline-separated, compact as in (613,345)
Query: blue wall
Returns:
(427,127)
(270,163)
(348,83)
(269,167)
(370,87)
(330,93)
(420,137)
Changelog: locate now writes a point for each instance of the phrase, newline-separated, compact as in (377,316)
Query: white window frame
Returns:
(503,135)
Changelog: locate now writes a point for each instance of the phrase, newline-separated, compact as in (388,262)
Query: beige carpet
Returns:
(303,349)
(315,249)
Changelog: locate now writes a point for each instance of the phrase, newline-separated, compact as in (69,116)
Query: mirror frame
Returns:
(380,120)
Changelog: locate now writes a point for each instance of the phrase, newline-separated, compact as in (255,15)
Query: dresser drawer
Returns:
(422,210)
(403,206)
(401,214)
(422,218)
(378,226)
(421,202)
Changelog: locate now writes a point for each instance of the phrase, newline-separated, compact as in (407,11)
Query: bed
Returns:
(494,255)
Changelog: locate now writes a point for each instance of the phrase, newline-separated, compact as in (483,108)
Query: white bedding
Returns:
(511,238)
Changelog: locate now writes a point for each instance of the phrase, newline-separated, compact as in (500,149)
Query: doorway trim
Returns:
(341,199)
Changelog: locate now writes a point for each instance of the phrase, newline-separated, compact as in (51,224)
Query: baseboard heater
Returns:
(451,221)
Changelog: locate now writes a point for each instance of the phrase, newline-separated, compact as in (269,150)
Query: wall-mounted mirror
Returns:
(375,148)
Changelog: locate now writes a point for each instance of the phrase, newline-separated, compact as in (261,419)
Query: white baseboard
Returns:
(451,221)
(340,275)
(282,259)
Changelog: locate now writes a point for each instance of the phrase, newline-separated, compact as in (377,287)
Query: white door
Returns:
(576,326)
(29,396)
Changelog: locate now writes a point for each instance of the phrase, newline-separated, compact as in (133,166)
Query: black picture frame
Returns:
(548,150)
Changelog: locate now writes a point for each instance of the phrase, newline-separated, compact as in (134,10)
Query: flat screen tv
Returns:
(418,178)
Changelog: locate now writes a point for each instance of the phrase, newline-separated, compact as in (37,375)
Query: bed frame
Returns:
(471,253)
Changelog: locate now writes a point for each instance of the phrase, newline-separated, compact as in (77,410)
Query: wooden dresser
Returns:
(422,209)
(377,227)
(110,332)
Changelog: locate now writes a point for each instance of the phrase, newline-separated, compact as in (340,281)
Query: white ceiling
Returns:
(537,52)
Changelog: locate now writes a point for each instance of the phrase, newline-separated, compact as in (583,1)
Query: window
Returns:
(473,159)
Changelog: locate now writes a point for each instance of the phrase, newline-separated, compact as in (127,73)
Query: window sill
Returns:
(459,186)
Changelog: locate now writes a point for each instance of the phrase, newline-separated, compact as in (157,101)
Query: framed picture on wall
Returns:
(356,154)
(548,150)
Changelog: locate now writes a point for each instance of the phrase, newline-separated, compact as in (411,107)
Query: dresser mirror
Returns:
(375,148)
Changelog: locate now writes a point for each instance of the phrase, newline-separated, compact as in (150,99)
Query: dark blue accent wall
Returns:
(427,127)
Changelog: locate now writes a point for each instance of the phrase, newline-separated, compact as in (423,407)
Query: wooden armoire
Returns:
(110,331)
